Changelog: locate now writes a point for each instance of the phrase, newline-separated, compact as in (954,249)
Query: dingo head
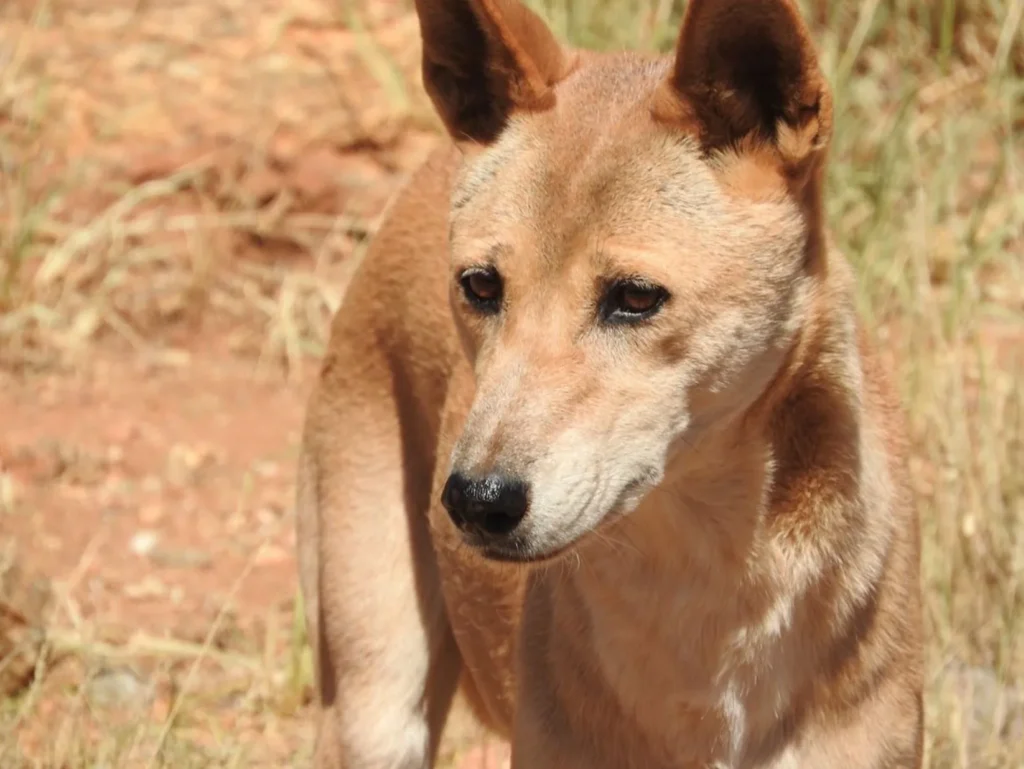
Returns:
(633,243)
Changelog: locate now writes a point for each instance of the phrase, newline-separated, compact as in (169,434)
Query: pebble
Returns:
(119,688)
(144,542)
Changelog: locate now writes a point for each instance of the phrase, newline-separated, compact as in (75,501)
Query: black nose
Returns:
(492,506)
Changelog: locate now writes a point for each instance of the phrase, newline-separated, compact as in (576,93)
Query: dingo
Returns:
(598,431)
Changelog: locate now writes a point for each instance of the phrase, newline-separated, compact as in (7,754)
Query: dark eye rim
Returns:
(488,306)
(612,308)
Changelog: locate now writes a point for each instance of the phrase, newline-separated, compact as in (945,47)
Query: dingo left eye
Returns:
(628,301)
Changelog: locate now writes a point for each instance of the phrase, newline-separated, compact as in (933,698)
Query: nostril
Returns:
(499,523)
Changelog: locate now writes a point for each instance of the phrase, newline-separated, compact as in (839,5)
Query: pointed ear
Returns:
(748,68)
(483,59)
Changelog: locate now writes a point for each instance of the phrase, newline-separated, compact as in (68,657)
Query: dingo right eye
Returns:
(482,288)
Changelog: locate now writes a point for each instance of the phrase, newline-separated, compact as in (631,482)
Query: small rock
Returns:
(144,542)
(119,688)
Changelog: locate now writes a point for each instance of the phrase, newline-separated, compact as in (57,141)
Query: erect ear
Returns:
(483,59)
(749,68)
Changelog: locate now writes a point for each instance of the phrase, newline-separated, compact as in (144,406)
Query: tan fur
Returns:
(719,558)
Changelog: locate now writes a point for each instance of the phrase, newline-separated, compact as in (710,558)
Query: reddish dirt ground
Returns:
(177,474)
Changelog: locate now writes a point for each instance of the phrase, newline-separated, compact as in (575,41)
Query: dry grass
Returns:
(926,197)
(92,246)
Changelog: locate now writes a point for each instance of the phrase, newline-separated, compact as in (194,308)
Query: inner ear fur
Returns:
(748,70)
(484,59)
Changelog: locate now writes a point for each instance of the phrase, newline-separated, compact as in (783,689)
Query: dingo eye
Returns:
(632,300)
(482,288)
